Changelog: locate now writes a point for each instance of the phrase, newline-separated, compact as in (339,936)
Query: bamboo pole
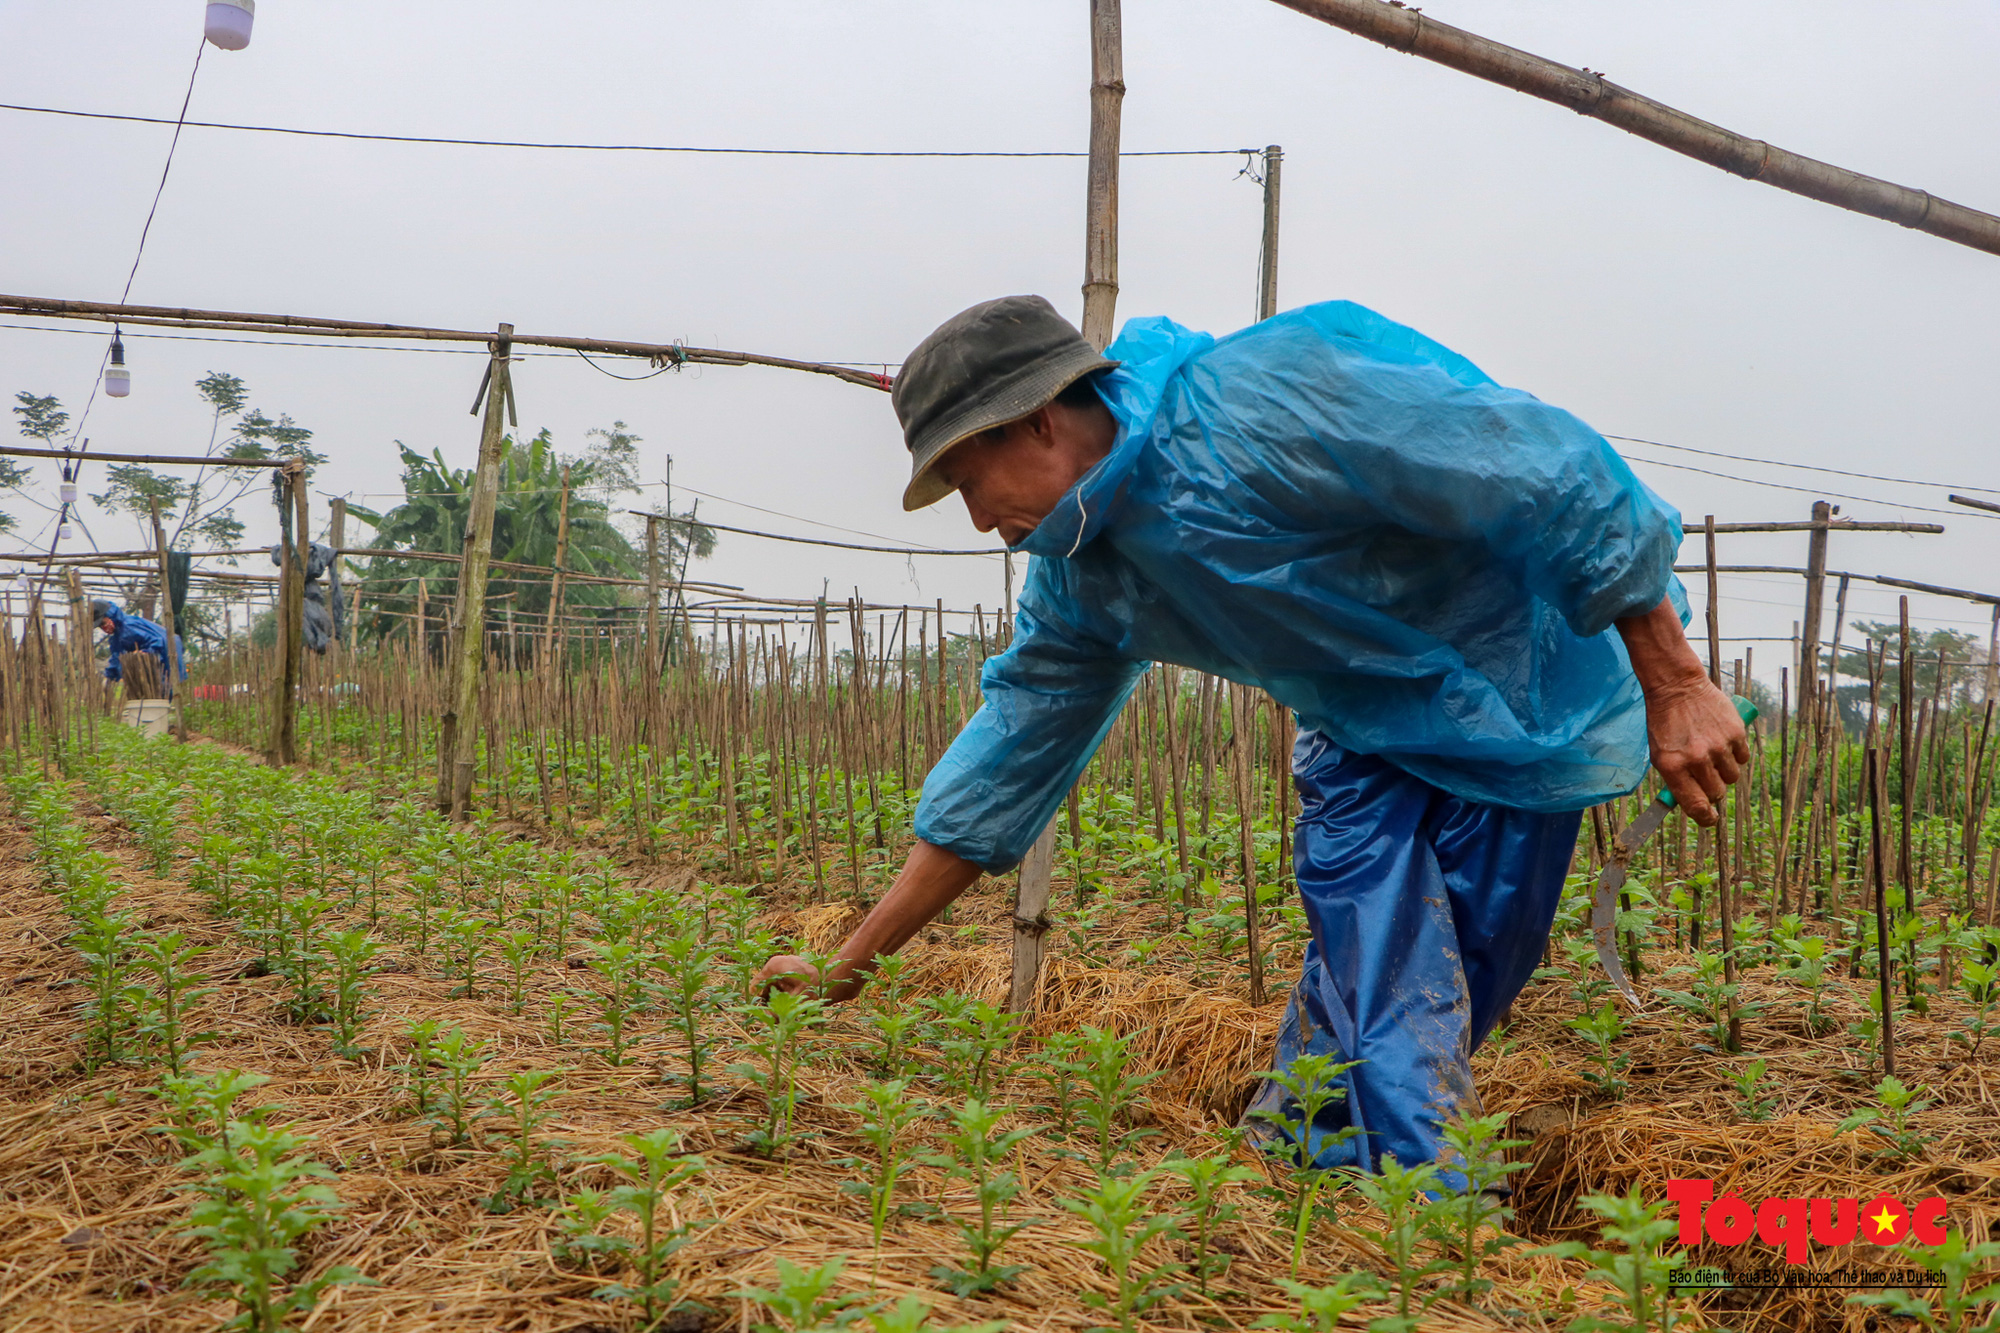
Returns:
(179,719)
(461,723)
(549,645)
(1590,94)
(284,748)
(1100,243)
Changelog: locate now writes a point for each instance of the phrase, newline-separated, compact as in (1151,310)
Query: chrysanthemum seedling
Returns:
(519,950)
(1806,966)
(1402,1195)
(580,1240)
(685,959)
(524,1107)
(170,960)
(260,1198)
(978,1147)
(1752,1103)
(911,1315)
(459,1059)
(624,970)
(1958,1305)
(1470,1219)
(200,1106)
(1110,1093)
(778,1025)
(1116,1212)
(417,1077)
(973,1042)
(1056,1066)
(1208,1180)
(349,954)
(118,1000)
(1311,1085)
(1639,1270)
(656,1168)
(1889,1121)
(1601,1029)
(804,1300)
(1321,1308)
(886,1114)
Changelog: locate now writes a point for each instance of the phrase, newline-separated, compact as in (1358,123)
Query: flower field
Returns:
(285,1047)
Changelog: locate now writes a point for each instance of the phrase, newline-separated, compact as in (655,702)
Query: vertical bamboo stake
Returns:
(652,675)
(167,626)
(461,722)
(1905,685)
(291,611)
(1724,897)
(1100,244)
(549,641)
(1877,782)
(1243,739)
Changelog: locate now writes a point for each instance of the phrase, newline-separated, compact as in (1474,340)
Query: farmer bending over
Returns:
(1463,593)
(133,634)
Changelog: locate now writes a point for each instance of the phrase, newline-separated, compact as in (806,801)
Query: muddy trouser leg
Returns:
(1428,915)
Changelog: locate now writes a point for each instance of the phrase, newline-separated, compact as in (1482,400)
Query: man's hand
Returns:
(787,972)
(1696,738)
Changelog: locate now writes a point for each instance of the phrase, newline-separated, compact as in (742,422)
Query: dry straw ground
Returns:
(89,1201)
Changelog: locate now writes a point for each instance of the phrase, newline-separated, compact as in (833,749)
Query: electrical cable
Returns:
(1810,490)
(620,147)
(1805,467)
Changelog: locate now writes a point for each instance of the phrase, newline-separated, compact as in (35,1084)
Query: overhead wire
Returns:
(703,149)
(1805,467)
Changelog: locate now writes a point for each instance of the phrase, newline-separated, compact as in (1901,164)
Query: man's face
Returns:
(1011,477)
(108,625)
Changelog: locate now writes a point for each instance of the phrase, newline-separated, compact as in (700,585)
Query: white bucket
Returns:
(152,716)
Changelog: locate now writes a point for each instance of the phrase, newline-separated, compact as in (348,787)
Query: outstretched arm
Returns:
(1696,738)
(930,880)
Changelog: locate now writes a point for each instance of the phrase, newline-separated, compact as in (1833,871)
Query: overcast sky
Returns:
(1653,296)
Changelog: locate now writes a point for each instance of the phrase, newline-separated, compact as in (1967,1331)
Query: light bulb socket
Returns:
(117,349)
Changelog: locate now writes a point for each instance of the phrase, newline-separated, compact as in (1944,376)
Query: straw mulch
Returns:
(89,1203)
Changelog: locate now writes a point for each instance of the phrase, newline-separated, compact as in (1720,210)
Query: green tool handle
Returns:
(1745,710)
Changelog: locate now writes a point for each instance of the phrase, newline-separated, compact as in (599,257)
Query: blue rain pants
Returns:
(1429,913)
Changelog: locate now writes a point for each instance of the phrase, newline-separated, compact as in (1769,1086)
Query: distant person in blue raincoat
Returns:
(134,634)
(1463,593)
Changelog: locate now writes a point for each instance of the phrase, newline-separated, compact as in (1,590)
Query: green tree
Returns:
(202,507)
(437,504)
(1964,666)
(42,419)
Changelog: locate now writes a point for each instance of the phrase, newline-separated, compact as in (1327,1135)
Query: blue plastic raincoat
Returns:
(1422,564)
(1425,567)
(137,634)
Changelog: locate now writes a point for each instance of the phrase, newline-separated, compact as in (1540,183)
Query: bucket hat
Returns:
(984,367)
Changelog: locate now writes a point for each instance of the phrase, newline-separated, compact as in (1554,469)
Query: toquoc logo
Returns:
(1795,1225)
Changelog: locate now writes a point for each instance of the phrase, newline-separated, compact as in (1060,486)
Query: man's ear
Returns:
(1041,425)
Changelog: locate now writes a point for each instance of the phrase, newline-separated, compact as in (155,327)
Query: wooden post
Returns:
(1877,781)
(549,642)
(336,537)
(179,719)
(1724,891)
(80,626)
(461,722)
(1815,597)
(1100,304)
(652,601)
(1100,237)
(291,622)
(1267,275)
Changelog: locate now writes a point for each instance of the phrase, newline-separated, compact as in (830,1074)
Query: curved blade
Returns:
(1604,906)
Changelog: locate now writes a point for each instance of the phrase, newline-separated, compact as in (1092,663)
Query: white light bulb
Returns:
(62,533)
(117,379)
(69,492)
(228,22)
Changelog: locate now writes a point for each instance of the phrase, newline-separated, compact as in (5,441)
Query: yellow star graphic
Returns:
(1885,1221)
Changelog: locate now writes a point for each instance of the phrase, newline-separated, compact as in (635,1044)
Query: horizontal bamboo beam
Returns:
(1971,503)
(1832,525)
(182,317)
(16,451)
(1588,93)
(1990,599)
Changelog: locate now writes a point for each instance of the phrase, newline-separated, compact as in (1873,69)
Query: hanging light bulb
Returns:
(62,532)
(117,379)
(228,23)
